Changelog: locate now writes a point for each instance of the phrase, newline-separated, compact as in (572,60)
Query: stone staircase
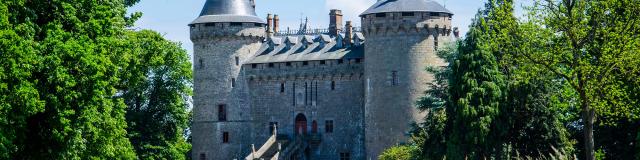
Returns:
(282,147)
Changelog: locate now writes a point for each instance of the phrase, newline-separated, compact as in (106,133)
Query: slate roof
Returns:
(385,6)
(228,11)
(318,47)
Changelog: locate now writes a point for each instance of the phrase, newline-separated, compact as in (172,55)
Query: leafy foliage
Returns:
(155,89)
(484,104)
(64,66)
(399,153)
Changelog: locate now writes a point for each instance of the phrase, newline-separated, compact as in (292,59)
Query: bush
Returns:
(402,152)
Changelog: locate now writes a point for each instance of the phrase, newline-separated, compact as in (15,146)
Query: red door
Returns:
(301,124)
(314,127)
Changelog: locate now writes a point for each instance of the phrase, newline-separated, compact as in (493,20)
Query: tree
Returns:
(592,46)
(399,153)
(155,88)
(510,114)
(65,70)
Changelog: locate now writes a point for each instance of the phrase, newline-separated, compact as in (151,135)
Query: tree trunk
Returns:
(588,116)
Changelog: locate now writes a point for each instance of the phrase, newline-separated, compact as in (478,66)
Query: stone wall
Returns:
(318,102)
(398,49)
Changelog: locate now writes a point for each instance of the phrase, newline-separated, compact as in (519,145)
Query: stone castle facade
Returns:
(337,93)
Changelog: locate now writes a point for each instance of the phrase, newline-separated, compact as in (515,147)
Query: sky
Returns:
(170,17)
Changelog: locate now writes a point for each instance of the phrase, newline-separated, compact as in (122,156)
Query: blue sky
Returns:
(170,17)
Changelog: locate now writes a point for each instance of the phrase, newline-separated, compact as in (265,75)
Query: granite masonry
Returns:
(343,92)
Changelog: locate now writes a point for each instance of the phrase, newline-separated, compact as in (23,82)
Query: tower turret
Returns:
(402,39)
(225,35)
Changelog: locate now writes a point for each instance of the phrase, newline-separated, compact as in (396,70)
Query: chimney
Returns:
(269,24)
(276,24)
(348,35)
(335,23)
(456,32)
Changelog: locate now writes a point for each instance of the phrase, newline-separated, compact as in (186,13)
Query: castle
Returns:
(338,93)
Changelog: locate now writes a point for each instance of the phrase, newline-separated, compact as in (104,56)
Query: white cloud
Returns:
(350,8)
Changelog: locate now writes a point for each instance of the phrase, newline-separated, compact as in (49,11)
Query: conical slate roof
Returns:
(228,11)
(385,6)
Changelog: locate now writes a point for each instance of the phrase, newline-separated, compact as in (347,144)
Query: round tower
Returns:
(402,40)
(225,35)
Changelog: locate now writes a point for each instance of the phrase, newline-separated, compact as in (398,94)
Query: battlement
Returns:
(422,23)
(223,29)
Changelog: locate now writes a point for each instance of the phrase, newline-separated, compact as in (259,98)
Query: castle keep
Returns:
(339,93)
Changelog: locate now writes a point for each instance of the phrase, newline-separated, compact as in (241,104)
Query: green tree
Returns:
(399,153)
(514,111)
(66,68)
(155,88)
(592,46)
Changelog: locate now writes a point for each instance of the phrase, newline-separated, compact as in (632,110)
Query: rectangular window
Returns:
(233,82)
(357,60)
(225,137)
(323,62)
(272,127)
(282,87)
(328,128)
(305,63)
(381,14)
(200,63)
(433,14)
(254,65)
(345,156)
(340,61)
(209,24)
(288,63)
(271,65)
(333,85)
(203,156)
(236,24)
(237,61)
(394,78)
(407,14)
(222,112)
(257,24)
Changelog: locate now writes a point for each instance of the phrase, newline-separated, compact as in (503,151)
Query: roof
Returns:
(228,11)
(385,6)
(296,52)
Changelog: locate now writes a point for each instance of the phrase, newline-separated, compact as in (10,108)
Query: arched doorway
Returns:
(314,127)
(301,124)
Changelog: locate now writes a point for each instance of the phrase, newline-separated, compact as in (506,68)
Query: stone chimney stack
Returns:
(276,24)
(335,23)
(348,35)
(269,24)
